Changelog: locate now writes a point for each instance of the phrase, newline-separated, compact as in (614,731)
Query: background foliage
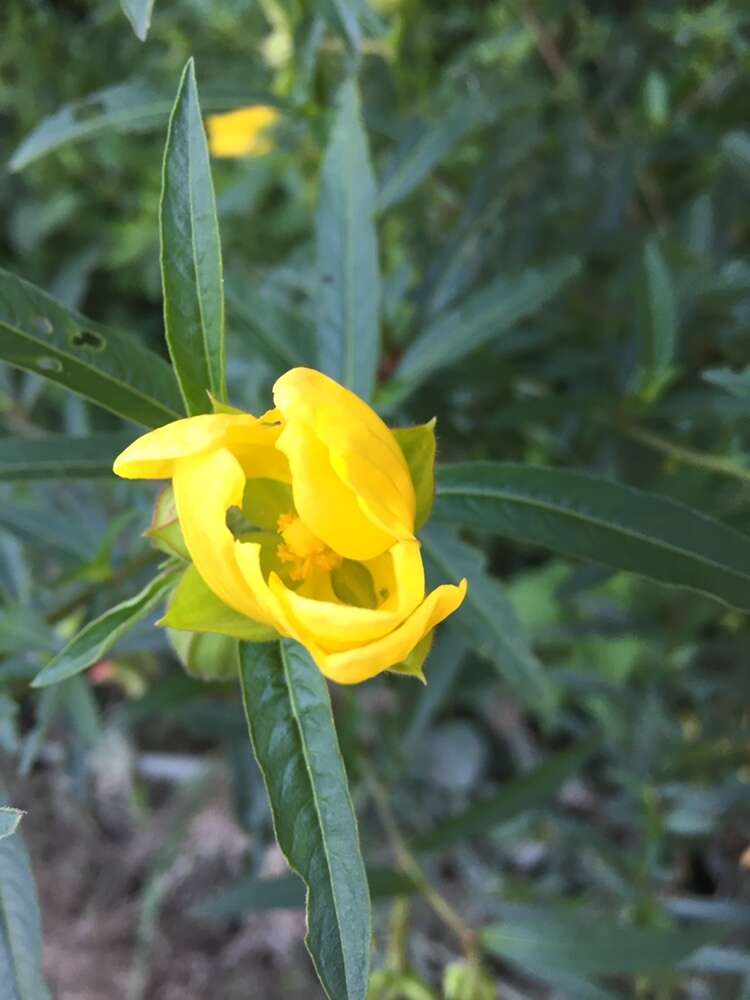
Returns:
(562,222)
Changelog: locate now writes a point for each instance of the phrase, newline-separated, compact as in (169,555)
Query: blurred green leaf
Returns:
(547,941)
(659,336)
(347,252)
(735,383)
(60,456)
(108,367)
(131,106)
(100,635)
(418,445)
(293,735)
(479,319)
(528,791)
(191,255)
(21,976)
(138,12)
(594,518)
(487,617)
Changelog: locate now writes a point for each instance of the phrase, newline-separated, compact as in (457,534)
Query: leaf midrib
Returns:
(588,519)
(303,743)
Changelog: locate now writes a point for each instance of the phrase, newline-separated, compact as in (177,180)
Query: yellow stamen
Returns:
(301,548)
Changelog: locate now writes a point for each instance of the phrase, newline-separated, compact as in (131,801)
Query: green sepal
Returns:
(165,531)
(195,608)
(413,665)
(218,407)
(419,447)
(206,656)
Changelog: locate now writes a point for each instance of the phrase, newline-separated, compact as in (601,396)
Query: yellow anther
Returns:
(303,550)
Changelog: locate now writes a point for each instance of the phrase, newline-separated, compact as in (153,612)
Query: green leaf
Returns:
(108,367)
(528,791)
(21,976)
(735,383)
(126,107)
(195,608)
(425,145)
(138,12)
(343,16)
(594,518)
(60,456)
(419,446)
(546,940)
(659,334)
(9,820)
(191,254)
(487,617)
(100,635)
(294,738)
(481,318)
(347,252)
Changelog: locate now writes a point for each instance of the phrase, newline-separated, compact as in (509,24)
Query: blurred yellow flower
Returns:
(243,132)
(303,519)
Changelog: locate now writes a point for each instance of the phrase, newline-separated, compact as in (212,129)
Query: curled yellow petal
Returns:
(363,452)
(243,132)
(205,486)
(354,665)
(152,456)
(327,505)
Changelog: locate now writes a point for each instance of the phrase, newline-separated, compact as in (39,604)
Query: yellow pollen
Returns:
(303,550)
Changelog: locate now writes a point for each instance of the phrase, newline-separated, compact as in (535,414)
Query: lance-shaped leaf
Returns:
(482,317)
(60,456)
(138,12)
(100,635)
(659,322)
(292,731)
(487,617)
(20,924)
(348,273)
(594,518)
(108,367)
(191,254)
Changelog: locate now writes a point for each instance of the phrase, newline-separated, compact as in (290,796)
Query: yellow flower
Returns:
(303,520)
(243,132)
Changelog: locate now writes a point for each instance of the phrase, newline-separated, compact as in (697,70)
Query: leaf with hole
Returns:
(108,367)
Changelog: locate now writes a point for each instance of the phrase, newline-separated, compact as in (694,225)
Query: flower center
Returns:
(306,553)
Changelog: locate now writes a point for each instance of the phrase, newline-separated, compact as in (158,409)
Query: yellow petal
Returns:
(355,665)
(247,556)
(242,132)
(326,505)
(363,452)
(205,486)
(152,456)
(334,626)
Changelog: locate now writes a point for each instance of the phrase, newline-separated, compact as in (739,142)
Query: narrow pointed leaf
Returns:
(487,617)
(21,975)
(106,366)
(191,255)
(349,279)
(659,334)
(293,735)
(60,456)
(594,518)
(343,16)
(100,635)
(138,12)
(481,318)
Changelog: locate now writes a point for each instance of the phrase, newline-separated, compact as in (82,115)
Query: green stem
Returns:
(689,456)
